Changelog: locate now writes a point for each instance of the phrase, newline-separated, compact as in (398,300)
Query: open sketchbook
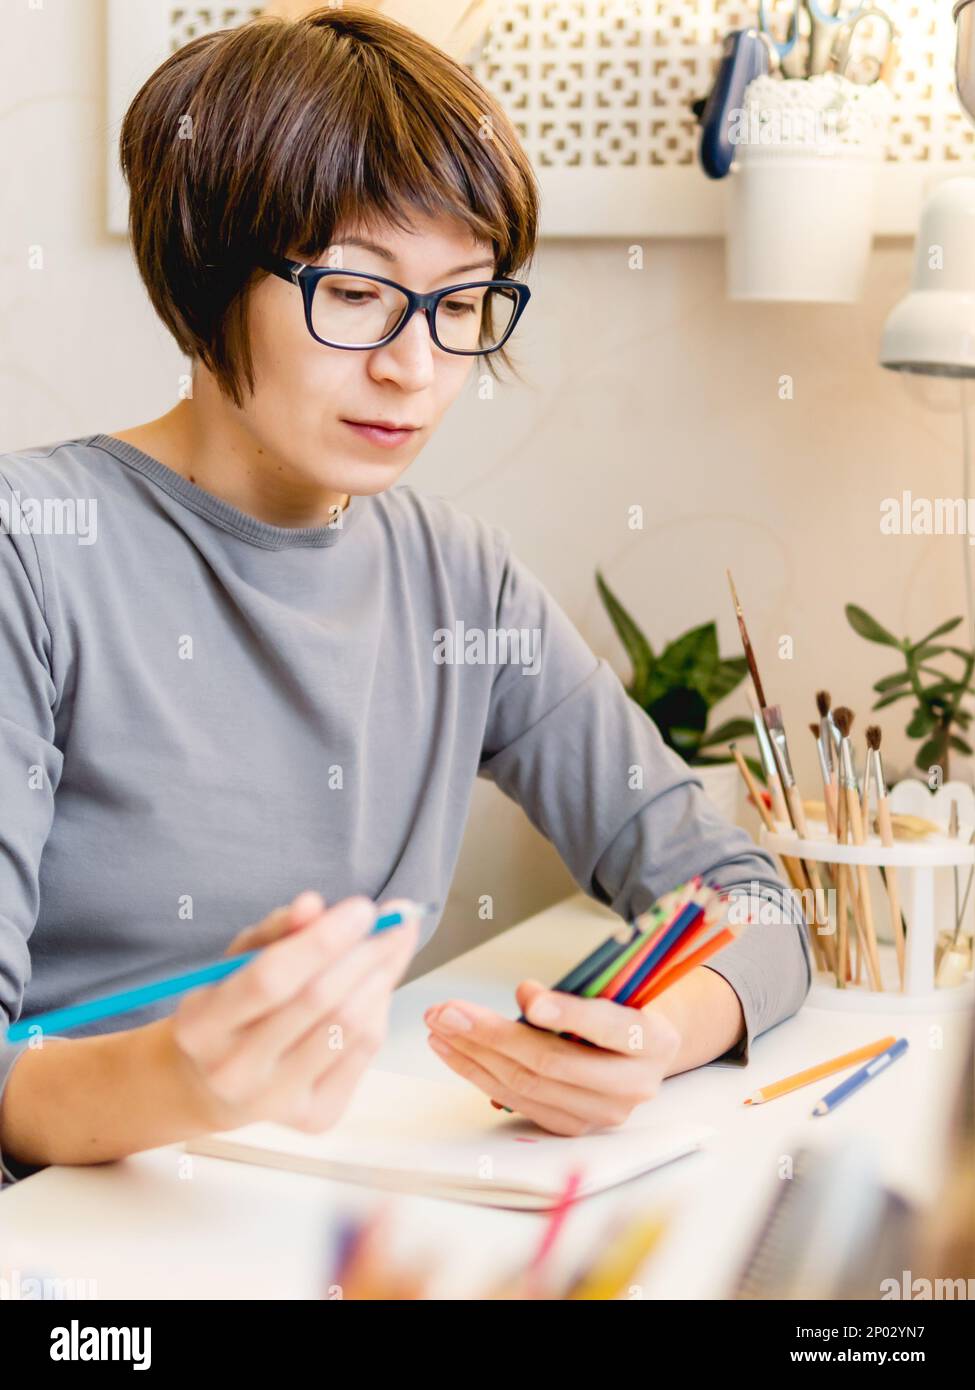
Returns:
(441,1139)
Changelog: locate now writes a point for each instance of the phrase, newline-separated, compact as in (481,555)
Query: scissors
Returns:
(819,37)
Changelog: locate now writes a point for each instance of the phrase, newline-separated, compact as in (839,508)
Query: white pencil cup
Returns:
(800,224)
(919,866)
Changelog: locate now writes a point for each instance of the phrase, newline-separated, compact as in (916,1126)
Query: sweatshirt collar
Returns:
(223,514)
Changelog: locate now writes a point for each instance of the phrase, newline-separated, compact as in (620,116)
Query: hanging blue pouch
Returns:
(745,57)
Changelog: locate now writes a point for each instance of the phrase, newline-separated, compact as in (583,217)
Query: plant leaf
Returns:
(940,689)
(691,660)
(929,754)
(922,722)
(960,744)
(638,649)
(892,699)
(939,631)
(892,682)
(728,675)
(862,623)
(724,733)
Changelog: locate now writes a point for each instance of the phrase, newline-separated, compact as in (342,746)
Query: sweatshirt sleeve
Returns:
(627,815)
(30,770)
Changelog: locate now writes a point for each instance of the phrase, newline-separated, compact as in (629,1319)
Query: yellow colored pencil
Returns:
(611,1274)
(805,1078)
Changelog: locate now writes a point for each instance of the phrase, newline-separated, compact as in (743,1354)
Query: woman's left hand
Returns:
(564,1087)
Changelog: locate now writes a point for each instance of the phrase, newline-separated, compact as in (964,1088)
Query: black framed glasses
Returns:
(356,311)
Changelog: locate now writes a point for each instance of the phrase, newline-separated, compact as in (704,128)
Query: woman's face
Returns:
(306,394)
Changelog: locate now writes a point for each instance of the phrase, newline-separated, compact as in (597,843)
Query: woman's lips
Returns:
(376,434)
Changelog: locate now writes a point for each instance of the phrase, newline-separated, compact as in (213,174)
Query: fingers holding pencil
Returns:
(258,1045)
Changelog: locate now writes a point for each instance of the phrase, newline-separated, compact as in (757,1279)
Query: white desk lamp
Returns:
(931,332)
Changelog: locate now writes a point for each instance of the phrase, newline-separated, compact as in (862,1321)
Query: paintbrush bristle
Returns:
(843,719)
(823,702)
(873,736)
(814,730)
(773,717)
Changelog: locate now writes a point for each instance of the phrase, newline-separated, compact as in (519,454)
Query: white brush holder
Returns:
(919,864)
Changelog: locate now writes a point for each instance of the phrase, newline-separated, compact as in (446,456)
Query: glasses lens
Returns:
(351,311)
(475,319)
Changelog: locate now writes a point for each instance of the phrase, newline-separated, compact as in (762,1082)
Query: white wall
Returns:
(642,387)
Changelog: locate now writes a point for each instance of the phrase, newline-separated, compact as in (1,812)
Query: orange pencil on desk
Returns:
(805,1078)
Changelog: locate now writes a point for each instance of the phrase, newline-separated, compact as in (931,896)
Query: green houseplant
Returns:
(679,687)
(938,712)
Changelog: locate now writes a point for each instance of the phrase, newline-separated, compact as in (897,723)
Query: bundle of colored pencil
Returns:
(680,931)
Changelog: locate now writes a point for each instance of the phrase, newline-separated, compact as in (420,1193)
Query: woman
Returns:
(251,674)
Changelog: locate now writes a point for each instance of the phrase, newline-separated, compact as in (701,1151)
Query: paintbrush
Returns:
(754,791)
(772,781)
(747,646)
(774,776)
(874,773)
(824,751)
(780,748)
(842,900)
(791,866)
(848,789)
(830,739)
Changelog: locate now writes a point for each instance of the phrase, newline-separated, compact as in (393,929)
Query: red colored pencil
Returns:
(677,972)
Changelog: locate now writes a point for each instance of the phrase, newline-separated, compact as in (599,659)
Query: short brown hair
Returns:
(268,136)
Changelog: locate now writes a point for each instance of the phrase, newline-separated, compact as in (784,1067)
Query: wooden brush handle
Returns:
(797,811)
(866,907)
(778,804)
(822,940)
(893,893)
(842,894)
(791,866)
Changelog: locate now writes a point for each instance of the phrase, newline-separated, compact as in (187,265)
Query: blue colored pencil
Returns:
(860,1078)
(128,999)
(686,917)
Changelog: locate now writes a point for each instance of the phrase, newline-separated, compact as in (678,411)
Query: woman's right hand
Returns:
(287,1037)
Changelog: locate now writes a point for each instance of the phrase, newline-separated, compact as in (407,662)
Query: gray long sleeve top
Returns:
(202,713)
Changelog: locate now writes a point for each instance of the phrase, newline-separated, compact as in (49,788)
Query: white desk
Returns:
(148,1228)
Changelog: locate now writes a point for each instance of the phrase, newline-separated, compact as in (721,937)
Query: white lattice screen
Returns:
(600,92)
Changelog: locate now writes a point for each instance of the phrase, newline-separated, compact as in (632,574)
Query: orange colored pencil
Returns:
(805,1078)
(677,972)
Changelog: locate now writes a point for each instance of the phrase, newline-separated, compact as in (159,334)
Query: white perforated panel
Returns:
(597,83)
(600,92)
(188,22)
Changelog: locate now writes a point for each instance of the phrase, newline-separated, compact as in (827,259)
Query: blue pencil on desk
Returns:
(860,1078)
(128,999)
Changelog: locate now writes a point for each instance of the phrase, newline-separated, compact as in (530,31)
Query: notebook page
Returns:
(433,1135)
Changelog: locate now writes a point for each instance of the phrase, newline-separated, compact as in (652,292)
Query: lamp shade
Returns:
(932,330)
